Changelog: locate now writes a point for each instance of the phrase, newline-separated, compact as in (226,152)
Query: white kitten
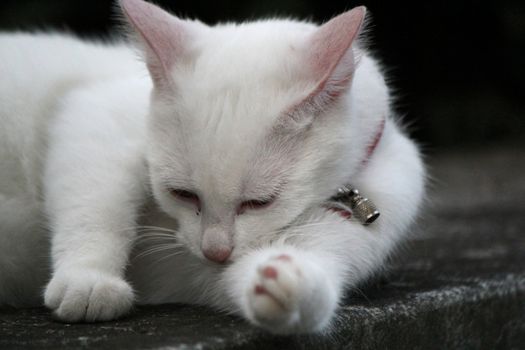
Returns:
(218,167)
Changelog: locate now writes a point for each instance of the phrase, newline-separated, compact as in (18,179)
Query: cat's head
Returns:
(249,125)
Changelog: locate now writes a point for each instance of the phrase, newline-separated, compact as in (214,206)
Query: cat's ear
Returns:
(329,61)
(162,35)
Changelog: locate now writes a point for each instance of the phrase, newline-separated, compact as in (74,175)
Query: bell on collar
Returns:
(362,208)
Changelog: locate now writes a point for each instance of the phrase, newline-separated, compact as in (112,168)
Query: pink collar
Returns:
(372,147)
(348,201)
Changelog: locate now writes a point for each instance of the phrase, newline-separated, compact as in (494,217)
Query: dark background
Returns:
(458,67)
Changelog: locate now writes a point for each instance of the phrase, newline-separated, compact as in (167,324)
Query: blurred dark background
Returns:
(458,66)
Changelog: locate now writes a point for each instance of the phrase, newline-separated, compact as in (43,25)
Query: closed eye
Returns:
(255,204)
(185,196)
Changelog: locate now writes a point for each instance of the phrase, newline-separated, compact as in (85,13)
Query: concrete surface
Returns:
(459,285)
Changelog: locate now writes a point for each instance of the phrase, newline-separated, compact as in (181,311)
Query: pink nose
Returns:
(217,254)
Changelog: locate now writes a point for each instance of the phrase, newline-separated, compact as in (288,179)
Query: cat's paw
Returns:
(87,295)
(287,295)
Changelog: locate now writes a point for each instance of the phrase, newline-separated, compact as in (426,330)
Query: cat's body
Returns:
(39,72)
(86,160)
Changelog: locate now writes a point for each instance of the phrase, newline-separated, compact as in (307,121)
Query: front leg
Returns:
(93,230)
(295,285)
(94,186)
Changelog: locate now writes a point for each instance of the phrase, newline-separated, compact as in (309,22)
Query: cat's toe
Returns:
(276,292)
(290,293)
(108,300)
(88,296)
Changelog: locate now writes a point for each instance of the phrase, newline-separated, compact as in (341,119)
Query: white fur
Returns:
(85,157)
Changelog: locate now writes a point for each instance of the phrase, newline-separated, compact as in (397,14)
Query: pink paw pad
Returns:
(270,272)
(260,290)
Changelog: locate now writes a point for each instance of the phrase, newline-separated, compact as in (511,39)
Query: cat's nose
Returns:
(219,254)
(216,244)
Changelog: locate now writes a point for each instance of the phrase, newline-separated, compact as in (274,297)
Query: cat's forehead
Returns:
(241,79)
(266,44)
(247,61)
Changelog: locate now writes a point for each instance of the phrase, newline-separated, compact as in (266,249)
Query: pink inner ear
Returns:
(161,33)
(333,39)
(330,58)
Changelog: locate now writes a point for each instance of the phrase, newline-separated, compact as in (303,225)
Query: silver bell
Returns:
(363,209)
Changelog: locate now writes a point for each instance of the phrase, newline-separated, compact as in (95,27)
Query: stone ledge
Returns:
(460,285)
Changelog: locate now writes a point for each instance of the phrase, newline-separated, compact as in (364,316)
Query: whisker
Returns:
(169,256)
(157,228)
(146,235)
(157,249)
